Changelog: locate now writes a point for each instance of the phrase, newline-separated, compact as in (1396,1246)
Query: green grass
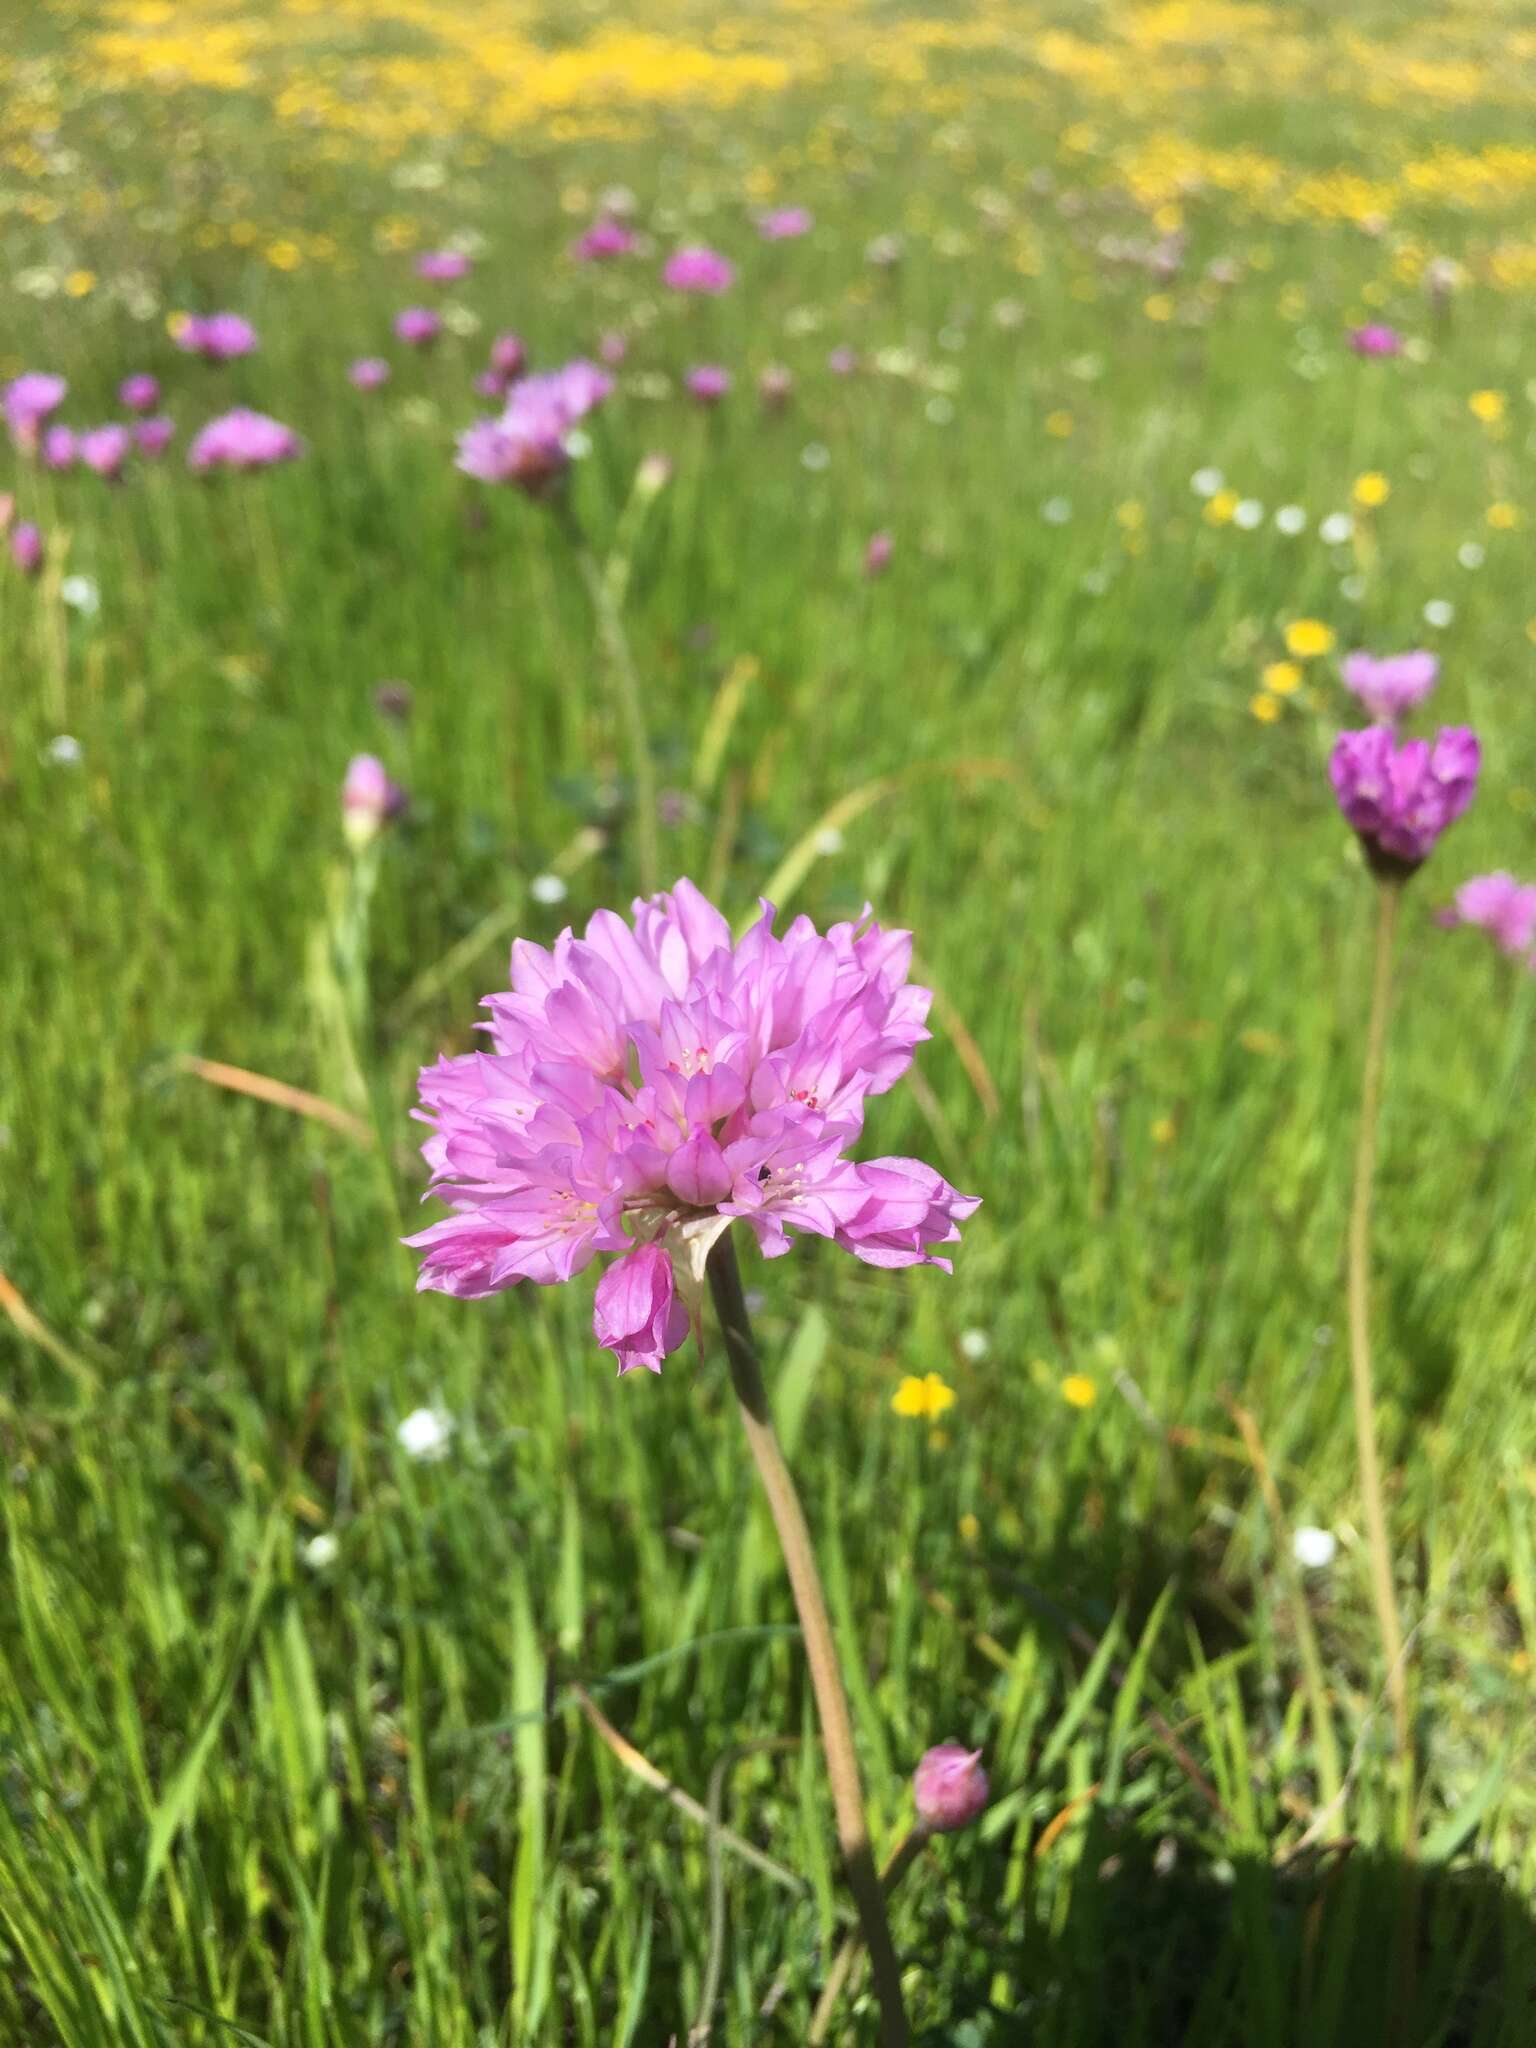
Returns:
(245,1798)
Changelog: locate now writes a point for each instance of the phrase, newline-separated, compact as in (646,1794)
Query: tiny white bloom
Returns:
(1471,554)
(578,443)
(81,594)
(66,750)
(426,1433)
(1314,1549)
(1205,483)
(1056,511)
(1439,612)
(1352,588)
(974,1344)
(1336,529)
(1248,515)
(1291,520)
(547,889)
(829,841)
(815,456)
(321,1550)
(461,320)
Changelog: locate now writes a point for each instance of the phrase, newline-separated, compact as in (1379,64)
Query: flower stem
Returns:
(605,592)
(1388,894)
(820,1651)
(905,1854)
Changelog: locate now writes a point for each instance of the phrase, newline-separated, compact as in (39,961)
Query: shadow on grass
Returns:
(1145,1946)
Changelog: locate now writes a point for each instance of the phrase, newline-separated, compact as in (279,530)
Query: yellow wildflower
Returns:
(1371,489)
(1502,516)
(284,255)
(1164,1130)
(80,283)
(1266,709)
(1130,515)
(1306,637)
(1078,1391)
(1487,406)
(1158,307)
(970,1529)
(1060,424)
(1283,677)
(918,1398)
(1220,507)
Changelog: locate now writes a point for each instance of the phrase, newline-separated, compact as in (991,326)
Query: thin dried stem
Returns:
(816,1626)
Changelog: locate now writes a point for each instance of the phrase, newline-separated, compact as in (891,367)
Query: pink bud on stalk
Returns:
(949,1787)
(369,799)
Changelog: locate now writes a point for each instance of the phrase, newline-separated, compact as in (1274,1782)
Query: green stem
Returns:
(903,1857)
(1388,895)
(820,1650)
(605,592)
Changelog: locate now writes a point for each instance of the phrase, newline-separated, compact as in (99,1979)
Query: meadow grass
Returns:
(249,1796)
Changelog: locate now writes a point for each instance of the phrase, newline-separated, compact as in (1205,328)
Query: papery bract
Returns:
(653,1080)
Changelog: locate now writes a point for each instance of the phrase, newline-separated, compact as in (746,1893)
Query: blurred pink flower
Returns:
(784,223)
(654,1080)
(949,1787)
(526,445)
(877,555)
(1390,684)
(153,436)
(27,548)
(708,383)
(140,393)
(1375,339)
(842,362)
(418,326)
(27,401)
(604,239)
(369,799)
(1500,906)
(368,373)
(243,439)
(105,450)
(60,448)
(216,337)
(612,348)
(509,357)
(442,266)
(697,269)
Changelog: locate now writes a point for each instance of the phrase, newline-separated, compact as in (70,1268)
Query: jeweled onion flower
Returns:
(1401,795)
(140,393)
(216,337)
(698,270)
(418,326)
(243,439)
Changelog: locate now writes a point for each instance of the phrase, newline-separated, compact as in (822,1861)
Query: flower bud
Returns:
(369,799)
(950,1787)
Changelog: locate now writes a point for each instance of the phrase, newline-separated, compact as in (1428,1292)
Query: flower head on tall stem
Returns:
(153,436)
(653,1080)
(527,444)
(605,239)
(949,1787)
(1376,339)
(216,337)
(370,798)
(1400,795)
(1390,684)
(140,393)
(104,450)
(27,548)
(418,326)
(1502,907)
(699,270)
(243,439)
(61,448)
(27,402)
(442,266)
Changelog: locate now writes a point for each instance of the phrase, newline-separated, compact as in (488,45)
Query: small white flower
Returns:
(547,889)
(895,362)
(1248,515)
(461,320)
(1056,511)
(829,841)
(815,456)
(426,1434)
(1471,554)
(321,1550)
(81,594)
(1291,520)
(1352,588)
(65,750)
(578,443)
(1336,530)
(1439,612)
(1314,1549)
(1205,483)
(974,1344)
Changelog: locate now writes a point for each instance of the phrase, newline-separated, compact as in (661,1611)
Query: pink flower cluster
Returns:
(526,444)
(1400,795)
(243,439)
(1390,684)
(1502,907)
(216,337)
(652,1081)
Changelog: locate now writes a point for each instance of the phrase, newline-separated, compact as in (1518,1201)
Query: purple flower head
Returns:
(140,393)
(877,555)
(1390,684)
(784,223)
(949,1787)
(774,386)
(1375,339)
(603,240)
(442,266)
(526,445)
(368,373)
(489,385)
(369,799)
(1401,795)
(697,269)
(509,357)
(650,1082)
(570,392)
(1502,907)
(708,383)
(105,450)
(637,1313)
(418,326)
(842,362)
(27,402)
(243,439)
(153,436)
(216,337)
(27,548)
(60,448)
